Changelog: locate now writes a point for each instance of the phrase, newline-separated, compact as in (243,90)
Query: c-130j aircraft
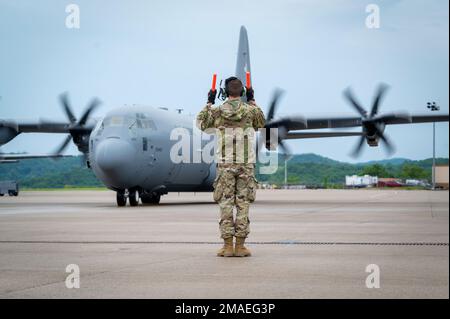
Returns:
(129,148)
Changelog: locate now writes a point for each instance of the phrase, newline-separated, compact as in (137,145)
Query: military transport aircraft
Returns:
(129,148)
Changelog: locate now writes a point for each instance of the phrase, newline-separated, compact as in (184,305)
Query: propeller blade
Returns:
(63,146)
(382,88)
(262,140)
(390,148)
(92,106)
(357,150)
(66,106)
(348,94)
(273,105)
(285,149)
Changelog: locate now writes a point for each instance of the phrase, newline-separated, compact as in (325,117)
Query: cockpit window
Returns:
(143,121)
(140,120)
(114,121)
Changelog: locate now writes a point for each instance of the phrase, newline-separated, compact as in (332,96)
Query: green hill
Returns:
(313,169)
(48,173)
(310,158)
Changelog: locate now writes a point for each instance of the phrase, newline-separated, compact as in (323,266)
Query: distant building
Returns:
(295,187)
(266,186)
(442,176)
(360,181)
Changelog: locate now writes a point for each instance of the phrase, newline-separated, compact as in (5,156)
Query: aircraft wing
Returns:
(300,123)
(303,135)
(40,126)
(429,118)
(77,129)
(7,159)
(9,129)
(15,157)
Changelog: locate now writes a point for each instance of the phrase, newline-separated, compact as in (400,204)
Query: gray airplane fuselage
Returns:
(130,149)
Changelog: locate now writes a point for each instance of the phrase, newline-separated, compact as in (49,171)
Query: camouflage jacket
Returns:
(235,123)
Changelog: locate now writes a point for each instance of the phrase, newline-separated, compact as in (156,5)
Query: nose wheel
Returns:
(131,195)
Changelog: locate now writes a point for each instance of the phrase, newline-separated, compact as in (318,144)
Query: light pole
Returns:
(286,159)
(285,173)
(433,107)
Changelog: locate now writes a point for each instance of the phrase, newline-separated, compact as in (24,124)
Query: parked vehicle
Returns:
(9,187)
(389,184)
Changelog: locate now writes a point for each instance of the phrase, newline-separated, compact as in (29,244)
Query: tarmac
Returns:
(305,244)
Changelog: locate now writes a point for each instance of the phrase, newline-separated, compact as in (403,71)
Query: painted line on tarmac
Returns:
(306,243)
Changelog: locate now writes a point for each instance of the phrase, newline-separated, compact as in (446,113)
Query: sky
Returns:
(163,53)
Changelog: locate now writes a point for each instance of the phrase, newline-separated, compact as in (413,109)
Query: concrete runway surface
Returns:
(305,244)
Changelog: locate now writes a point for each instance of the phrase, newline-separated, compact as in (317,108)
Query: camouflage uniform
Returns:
(235,183)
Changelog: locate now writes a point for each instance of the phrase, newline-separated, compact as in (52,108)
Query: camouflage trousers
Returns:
(235,186)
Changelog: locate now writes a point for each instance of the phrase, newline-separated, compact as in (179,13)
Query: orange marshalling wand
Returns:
(214,80)
(248,81)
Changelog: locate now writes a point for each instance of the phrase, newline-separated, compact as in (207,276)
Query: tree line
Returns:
(306,169)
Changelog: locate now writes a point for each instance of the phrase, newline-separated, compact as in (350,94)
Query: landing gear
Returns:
(121,198)
(133,197)
(150,199)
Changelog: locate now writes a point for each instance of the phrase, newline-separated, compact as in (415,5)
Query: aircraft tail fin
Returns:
(243,55)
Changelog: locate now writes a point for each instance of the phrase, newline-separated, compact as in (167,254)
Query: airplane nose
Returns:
(114,155)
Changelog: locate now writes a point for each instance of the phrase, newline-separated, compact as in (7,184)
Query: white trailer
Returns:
(360,181)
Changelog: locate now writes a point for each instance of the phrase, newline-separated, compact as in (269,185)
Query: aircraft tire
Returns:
(133,197)
(121,199)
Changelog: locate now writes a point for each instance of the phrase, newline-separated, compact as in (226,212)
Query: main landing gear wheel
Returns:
(133,197)
(121,199)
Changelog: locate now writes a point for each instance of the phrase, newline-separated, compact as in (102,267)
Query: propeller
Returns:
(373,125)
(281,128)
(281,124)
(77,129)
